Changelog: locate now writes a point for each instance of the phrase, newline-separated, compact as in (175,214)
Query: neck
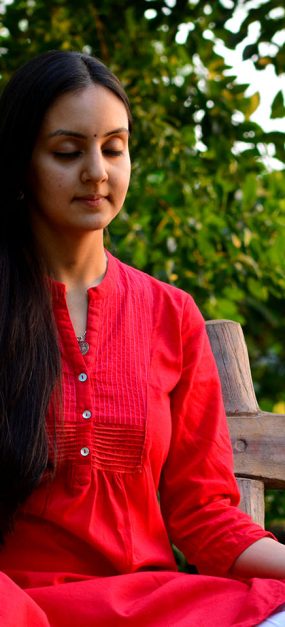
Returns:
(78,263)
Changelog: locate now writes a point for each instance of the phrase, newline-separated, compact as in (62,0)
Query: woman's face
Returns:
(80,167)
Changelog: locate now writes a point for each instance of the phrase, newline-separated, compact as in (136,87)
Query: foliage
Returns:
(202,211)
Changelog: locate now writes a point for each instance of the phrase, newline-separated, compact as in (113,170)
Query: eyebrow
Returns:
(61,131)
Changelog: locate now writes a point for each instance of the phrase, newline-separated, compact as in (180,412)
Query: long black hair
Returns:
(29,354)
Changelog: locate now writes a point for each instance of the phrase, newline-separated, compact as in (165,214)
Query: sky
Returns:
(266,82)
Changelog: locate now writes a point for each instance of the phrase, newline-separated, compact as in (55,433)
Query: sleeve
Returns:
(198,491)
(17,607)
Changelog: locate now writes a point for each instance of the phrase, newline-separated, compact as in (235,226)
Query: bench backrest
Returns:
(258,438)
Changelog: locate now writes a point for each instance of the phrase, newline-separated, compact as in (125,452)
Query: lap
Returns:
(144,599)
(160,599)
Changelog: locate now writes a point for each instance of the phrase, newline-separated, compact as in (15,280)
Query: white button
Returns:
(87,414)
(84,451)
(82,377)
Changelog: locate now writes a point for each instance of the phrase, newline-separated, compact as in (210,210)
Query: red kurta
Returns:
(141,413)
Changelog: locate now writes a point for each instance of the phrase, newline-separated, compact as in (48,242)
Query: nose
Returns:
(94,168)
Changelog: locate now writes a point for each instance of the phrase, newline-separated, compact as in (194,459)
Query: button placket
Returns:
(84,431)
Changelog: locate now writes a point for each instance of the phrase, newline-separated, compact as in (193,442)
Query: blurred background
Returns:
(206,206)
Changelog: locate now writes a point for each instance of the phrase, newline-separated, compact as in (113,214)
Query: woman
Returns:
(109,392)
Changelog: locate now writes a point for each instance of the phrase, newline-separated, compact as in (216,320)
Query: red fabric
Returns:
(157,424)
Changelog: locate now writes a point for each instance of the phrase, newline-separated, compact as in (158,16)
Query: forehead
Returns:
(92,110)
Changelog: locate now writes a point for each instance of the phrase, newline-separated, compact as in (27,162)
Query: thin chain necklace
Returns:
(83,345)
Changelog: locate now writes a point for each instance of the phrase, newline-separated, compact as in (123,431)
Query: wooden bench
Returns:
(258,437)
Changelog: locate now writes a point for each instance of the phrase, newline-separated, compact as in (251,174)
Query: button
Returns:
(84,451)
(82,376)
(87,414)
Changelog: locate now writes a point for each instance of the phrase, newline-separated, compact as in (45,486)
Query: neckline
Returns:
(101,290)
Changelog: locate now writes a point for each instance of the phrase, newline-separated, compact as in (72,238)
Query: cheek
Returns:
(122,188)
(122,178)
(45,178)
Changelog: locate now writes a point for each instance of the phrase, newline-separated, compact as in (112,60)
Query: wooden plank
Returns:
(258,438)
(230,351)
(259,447)
(252,499)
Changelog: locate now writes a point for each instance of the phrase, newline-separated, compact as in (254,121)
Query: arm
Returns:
(199,494)
(264,558)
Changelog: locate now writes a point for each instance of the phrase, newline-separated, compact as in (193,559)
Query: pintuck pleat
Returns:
(118,447)
(113,446)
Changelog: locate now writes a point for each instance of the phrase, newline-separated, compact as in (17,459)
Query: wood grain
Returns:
(258,438)
(230,351)
(252,499)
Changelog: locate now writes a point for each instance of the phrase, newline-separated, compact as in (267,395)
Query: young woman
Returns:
(108,392)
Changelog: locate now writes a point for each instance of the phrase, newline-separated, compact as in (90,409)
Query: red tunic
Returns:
(143,456)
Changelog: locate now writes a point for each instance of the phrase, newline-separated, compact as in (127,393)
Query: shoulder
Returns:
(161,294)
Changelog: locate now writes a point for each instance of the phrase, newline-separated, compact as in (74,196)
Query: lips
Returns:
(90,197)
(93,201)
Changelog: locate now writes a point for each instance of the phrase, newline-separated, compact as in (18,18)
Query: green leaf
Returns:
(278,106)
(250,51)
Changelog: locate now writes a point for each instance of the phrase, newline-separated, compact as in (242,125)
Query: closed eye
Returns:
(113,153)
(68,155)
(77,153)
